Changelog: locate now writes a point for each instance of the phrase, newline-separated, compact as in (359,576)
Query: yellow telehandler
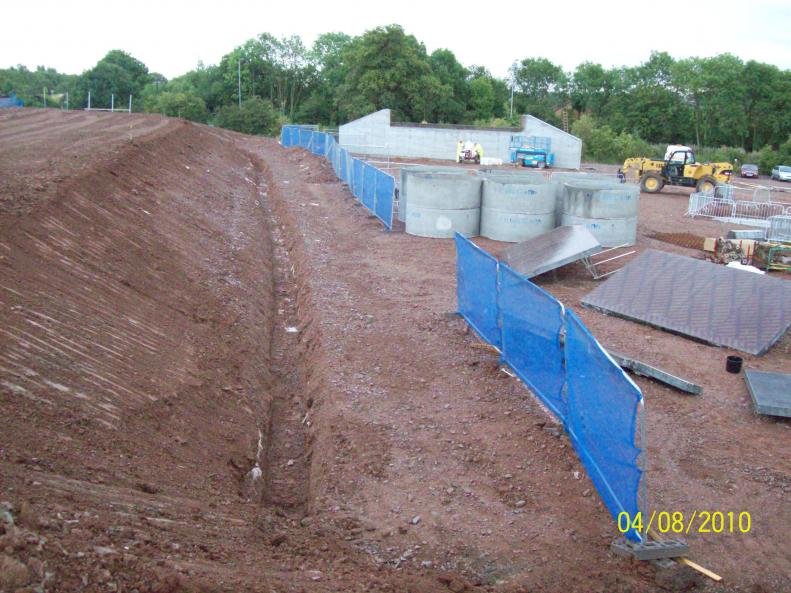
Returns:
(678,168)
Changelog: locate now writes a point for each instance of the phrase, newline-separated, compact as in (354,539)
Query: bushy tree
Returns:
(386,69)
(184,105)
(256,116)
(482,98)
(117,73)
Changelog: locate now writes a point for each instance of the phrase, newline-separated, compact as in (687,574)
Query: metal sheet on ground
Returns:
(771,392)
(559,247)
(704,301)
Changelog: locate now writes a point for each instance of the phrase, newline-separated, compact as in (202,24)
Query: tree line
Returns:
(740,110)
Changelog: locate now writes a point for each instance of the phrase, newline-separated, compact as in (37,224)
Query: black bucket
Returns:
(733,364)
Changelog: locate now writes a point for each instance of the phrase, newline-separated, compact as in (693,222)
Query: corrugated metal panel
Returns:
(705,301)
(561,246)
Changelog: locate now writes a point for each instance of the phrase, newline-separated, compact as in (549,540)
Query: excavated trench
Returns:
(283,455)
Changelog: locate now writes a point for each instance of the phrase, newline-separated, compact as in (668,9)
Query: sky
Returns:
(170,37)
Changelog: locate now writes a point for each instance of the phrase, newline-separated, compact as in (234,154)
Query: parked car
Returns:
(782,173)
(749,170)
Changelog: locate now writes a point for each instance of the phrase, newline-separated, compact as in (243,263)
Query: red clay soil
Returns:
(218,373)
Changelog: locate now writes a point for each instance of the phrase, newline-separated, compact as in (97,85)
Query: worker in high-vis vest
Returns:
(459,148)
(479,151)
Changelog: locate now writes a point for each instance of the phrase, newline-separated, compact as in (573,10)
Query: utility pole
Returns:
(239,81)
(513,83)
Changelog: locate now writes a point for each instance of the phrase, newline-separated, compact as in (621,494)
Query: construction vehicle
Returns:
(678,168)
(469,152)
(532,151)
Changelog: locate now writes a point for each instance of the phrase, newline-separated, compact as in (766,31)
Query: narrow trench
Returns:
(285,458)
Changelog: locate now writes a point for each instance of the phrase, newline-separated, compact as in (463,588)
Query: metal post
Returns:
(44,96)
(89,100)
(67,100)
(239,81)
(112,103)
(130,103)
(513,83)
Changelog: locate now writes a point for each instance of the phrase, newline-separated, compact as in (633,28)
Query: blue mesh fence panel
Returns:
(350,171)
(357,178)
(286,136)
(383,202)
(336,161)
(605,409)
(304,137)
(531,322)
(343,165)
(318,143)
(369,186)
(476,289)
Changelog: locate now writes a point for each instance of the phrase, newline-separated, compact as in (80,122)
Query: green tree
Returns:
(541,86)
(452,77)
(386,69)
(256,116)
(117,73)
(482,98)
(326,54)
(590,88)
(185,105)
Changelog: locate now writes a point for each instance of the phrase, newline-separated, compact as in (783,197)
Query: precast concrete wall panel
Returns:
(375,134)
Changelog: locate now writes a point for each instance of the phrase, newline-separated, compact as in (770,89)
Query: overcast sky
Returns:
(170,37)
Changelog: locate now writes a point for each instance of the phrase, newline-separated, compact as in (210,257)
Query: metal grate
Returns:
(701,300)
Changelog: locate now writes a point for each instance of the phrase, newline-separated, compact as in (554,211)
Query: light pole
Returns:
(513,83)
(239,80)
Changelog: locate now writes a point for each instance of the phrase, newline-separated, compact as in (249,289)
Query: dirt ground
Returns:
(219,373)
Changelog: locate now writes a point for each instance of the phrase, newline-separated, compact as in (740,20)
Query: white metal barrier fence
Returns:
(735,211)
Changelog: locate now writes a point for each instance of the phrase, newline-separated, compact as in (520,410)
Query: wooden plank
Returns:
(701,569)
(646,370)
(687,562)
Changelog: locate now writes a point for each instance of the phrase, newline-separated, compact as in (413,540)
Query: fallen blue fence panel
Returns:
(476,289)
(550,350)
(374,188)
(531,324)
(604,410)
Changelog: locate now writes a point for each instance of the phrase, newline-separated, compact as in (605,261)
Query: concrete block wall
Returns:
(374,135)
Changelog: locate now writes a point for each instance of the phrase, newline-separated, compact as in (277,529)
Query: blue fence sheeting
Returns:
(604,409)
(369,186)
(476,277)
(385,192)
(526,310)
(358,179)
(10,101)
(550,350)
(373,187)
